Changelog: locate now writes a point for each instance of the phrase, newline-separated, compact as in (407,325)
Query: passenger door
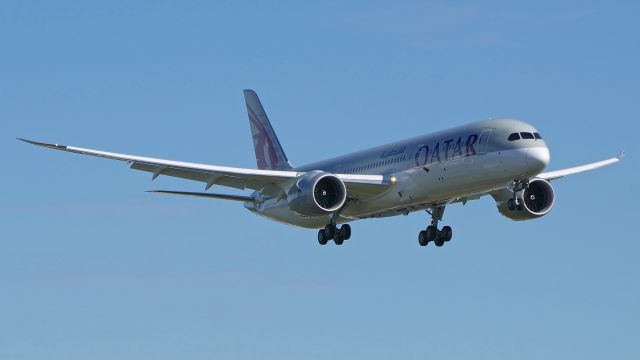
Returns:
(483,142)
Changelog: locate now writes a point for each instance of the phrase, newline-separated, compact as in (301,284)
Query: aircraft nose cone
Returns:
(538,158)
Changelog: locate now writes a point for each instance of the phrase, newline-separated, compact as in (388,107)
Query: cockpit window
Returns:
(514,137)
(526,135)
(537,136)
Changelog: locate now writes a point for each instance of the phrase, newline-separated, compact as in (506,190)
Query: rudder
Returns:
(269,153)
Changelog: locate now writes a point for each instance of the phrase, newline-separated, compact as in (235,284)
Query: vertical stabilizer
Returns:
(269,153)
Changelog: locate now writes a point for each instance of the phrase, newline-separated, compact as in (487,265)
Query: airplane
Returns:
(502,158)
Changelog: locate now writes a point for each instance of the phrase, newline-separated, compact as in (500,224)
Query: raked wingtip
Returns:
(37,143)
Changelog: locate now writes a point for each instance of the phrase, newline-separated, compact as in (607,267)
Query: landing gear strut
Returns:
(514,204)
(331,231)
(439,237)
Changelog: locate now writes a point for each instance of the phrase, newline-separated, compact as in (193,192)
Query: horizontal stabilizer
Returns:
(207,195)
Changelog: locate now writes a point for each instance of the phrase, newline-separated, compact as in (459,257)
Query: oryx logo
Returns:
(263,143)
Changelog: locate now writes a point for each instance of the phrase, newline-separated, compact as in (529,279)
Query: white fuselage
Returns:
(440,168)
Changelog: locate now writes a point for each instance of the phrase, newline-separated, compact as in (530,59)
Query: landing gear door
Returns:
(483,141)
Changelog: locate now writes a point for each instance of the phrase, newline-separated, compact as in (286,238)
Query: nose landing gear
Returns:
(432,234)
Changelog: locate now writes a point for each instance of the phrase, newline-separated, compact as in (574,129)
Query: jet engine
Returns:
(317,193)
(533,202)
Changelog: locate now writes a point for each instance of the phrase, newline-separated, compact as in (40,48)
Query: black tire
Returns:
(346,231)
(439,241)
(511,205)
(329,231)
(338,240)
(322,239)
(446,233)
(422,238)
(431,233)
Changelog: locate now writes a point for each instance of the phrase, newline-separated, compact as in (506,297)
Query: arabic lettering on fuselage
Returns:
(445,150)
(393,152)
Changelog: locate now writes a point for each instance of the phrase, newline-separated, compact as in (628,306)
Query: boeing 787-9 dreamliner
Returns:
(501,158)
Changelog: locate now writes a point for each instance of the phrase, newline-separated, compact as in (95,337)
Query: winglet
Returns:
(620,155)
(52,146)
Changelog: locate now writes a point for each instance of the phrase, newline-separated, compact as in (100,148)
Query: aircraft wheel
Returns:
(329,231)
(422,238)
(338,240)
(511,205)
(346,231)
(431,233)
(439,241)
(322,238)
(446,233)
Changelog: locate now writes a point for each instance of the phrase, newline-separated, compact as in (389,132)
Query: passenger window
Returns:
(526,135)
(513,137)
(537,136)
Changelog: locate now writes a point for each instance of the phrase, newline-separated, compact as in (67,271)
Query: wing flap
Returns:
(364,187)
(206,177)
(365,191)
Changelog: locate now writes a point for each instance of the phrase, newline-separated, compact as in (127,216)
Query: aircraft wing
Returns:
(358,186)
(557,174)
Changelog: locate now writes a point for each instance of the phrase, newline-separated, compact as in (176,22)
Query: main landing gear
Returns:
(339,235)
(331,231)
(514,204)
(439,237)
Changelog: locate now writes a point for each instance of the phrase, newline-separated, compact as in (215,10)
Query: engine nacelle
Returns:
(317,193)
(536,201)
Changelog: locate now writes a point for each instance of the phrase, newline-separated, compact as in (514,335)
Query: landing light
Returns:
(393,179)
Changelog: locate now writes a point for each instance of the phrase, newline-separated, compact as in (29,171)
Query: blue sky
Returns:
(91,266)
